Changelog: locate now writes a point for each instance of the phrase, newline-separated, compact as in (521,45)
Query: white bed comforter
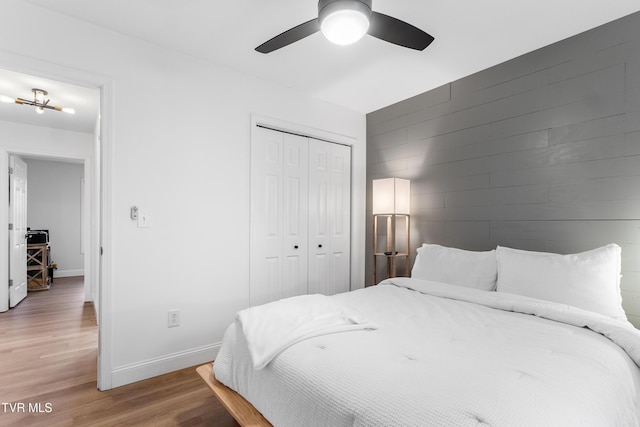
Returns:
(271,328)
(446,355)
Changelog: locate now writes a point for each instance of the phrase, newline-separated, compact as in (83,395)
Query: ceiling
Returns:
(470,36)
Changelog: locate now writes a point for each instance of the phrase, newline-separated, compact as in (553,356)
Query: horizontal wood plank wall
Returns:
(541,153)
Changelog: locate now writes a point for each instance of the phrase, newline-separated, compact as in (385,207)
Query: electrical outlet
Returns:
(174,318)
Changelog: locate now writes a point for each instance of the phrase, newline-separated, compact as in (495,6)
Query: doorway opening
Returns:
(55,216)
(63,140)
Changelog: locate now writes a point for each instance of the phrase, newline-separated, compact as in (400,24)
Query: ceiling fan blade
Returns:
(290,36)
(398,32)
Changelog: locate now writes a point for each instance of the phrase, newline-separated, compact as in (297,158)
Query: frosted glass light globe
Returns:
(344,27)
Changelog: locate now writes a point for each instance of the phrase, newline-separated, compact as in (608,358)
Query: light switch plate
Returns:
(144,218)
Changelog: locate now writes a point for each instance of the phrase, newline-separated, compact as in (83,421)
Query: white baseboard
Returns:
(67,273)
(128,374)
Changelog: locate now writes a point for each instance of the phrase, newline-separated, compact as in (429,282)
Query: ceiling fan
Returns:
(346,21)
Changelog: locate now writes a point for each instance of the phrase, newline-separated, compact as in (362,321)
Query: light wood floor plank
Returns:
(48,353)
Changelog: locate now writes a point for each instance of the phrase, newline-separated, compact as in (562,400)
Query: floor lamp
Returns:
(391,203)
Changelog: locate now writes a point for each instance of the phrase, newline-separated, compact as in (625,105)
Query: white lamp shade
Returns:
(391,196)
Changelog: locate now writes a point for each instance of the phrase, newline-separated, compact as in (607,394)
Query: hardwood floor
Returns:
(48,353)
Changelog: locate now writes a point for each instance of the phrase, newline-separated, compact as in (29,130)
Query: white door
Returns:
(278,216)
(295,247)
(319,223)
(18,230)
(329,217)
(340,214)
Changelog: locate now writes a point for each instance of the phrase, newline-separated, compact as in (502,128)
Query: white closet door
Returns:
(296,215)
(329,217)
(340,214)
(266,221)
(278,216)
(319,241)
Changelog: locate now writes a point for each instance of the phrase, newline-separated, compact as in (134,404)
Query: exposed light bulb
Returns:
(345,26)
(69,110)
(39,110)
(39,96)
(7,99)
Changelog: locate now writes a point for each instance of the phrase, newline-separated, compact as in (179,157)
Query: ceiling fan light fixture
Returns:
(344,22)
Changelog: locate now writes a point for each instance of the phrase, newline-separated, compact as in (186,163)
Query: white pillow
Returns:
(588,280)
(456,266)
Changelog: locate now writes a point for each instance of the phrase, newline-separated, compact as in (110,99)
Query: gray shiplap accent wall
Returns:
(541,153)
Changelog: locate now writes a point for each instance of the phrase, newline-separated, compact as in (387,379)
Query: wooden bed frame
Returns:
(241,410)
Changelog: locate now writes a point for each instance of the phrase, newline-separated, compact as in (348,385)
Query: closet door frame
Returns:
(259,121)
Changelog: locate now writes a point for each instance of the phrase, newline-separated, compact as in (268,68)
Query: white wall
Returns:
(180,149)
(54,203)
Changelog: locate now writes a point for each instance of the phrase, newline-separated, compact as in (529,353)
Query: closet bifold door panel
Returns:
(279,218)
(300,216)
(329,217)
